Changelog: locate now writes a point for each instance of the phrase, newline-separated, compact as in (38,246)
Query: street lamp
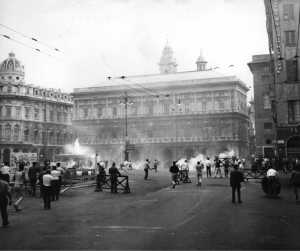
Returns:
(175,121)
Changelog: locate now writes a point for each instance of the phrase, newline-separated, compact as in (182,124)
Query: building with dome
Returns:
(165,116)
(35,122)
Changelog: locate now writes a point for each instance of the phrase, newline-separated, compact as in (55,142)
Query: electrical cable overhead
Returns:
(298,35)
(30,38)
(25,45)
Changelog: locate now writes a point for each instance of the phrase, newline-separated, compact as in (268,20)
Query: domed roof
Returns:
(11,69)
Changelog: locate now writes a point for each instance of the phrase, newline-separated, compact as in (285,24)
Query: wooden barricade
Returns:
(122,183)
(250,174)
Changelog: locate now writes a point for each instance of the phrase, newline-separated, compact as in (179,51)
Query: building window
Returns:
(16,132)
(18,112)
(114,111)
(36,113)
(268,142)
(268,125)
(288,12)
(1,109)
(27,112)
(58,116)
(290,38)
(85,112)
(267,102)
(166,108)
(150,109)
(8,111)
(293,111)
(7,132)
(26,135)
(291,70)
(51,115)
(99,112)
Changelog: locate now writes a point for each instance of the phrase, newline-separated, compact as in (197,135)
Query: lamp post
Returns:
(177,104)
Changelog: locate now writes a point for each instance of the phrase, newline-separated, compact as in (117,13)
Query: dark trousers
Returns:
(47,194)
(208,171)
(226,170)
(114,185)
(238,189)
(3,209)
(55,185)
(33,187)
(146,174)
(6,177)
(100,182)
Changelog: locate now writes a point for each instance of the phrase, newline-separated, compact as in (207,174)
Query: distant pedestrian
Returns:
(207,165)
(55,183)
(295,181)
(5,199)
(155,165)
(226,167)
(19,186)
(146,168)
(32,174)
(236,177)
(218,172)
(199,168)
(5,172)
(47,190)
(174,170)
(114,174)
(101,176)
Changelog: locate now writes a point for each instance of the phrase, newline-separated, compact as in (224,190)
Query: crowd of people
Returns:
(25,179)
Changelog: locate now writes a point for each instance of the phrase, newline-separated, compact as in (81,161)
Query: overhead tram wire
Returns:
(26,45)
(30,38)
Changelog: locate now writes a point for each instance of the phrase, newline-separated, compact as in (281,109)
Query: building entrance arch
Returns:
(293,146)
(6,155)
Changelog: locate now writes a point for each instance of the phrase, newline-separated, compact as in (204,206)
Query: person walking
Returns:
(218,172)
(236,177)
(146,168)
(5,172)
(5,199)
(114,174)
(295,181)
(32,174)
(226,167)
(199,168)
(19,186)
(47,191)
(174,170)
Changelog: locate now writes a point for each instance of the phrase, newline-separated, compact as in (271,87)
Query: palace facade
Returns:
(35,123)
(164,116)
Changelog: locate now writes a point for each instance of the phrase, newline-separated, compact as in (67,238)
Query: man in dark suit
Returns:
(236,177)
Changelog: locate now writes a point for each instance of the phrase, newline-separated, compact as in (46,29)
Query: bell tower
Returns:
(201,62)
(167,63)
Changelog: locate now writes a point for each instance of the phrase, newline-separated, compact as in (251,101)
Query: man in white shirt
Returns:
(47,191)
(5,172)
(55,184)
(207,165)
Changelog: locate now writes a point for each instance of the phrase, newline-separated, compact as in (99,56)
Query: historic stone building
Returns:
(283,32)
(35,123)
(166,116)
(263,83)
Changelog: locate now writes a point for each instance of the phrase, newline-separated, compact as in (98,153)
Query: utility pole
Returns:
(126,127)
(45,129)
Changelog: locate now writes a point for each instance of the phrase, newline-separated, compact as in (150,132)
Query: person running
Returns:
(5,199)
(114,174)
(47,190)
(174,170)
(236,177)
(199,168)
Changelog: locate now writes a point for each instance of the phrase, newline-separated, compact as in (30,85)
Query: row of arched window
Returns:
(36,135)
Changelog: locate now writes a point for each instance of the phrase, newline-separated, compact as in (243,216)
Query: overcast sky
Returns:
(100,38)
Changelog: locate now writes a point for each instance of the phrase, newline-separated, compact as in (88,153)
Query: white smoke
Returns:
(227,154)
